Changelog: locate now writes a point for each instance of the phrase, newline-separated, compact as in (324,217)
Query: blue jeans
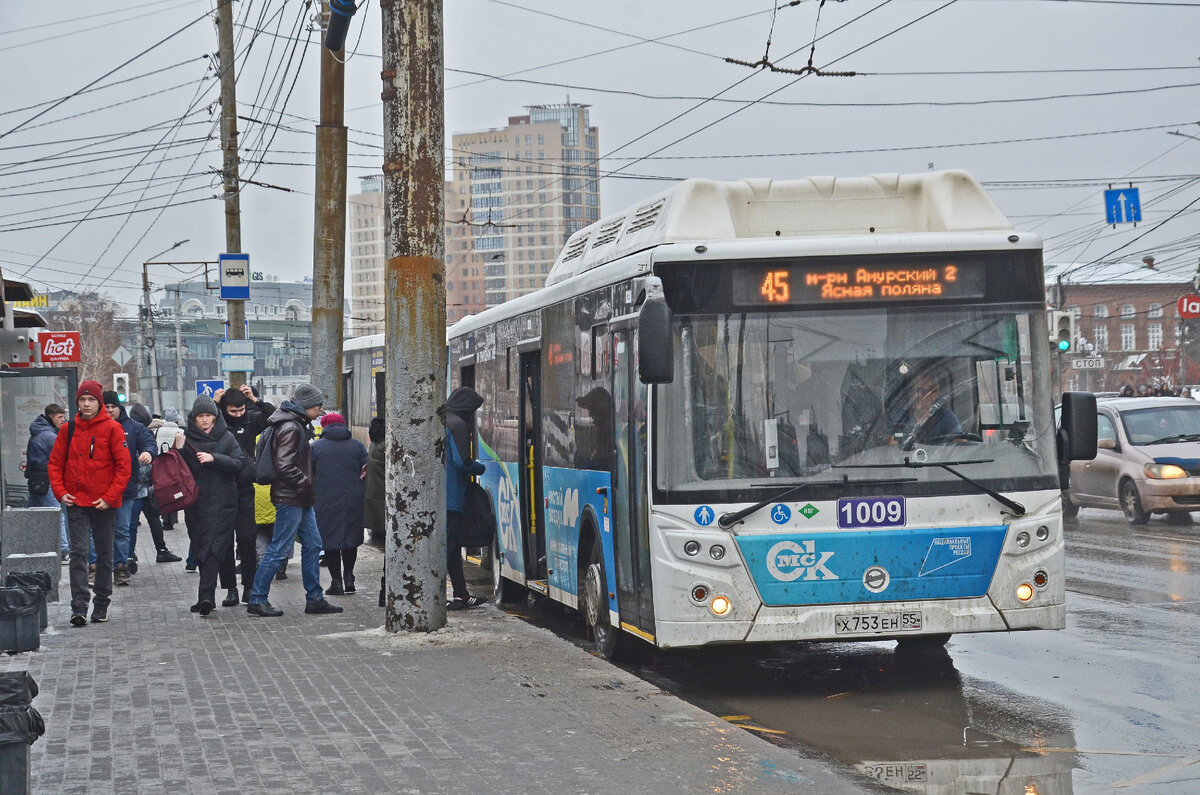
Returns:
(121,518)
(48,500)
(291,520)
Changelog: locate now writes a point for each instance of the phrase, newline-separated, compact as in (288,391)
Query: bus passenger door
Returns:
(531,470)
(631,530)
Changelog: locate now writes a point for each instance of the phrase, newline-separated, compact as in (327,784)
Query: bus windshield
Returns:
(761,399)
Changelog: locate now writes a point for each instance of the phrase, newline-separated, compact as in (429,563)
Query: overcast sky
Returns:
(110,107)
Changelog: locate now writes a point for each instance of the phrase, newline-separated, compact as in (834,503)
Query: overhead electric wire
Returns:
(106,86)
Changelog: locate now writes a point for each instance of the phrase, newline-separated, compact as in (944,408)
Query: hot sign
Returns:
(1189,306)
(59,346)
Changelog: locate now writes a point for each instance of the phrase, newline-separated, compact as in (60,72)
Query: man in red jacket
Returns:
(89,469)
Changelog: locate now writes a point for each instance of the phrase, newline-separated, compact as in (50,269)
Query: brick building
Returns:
(1126,315)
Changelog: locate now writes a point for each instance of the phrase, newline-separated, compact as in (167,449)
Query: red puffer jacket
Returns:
(97,465)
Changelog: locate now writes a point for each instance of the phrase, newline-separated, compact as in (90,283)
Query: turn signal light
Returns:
(1024,592)
(700,594)
(1040,578)
(720,605)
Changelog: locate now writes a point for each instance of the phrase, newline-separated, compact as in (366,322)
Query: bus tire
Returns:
(504,590)
(606,639)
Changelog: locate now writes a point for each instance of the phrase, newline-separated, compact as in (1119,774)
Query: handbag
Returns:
(479,517)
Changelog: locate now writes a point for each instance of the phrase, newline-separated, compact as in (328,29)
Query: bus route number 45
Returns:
(870,512)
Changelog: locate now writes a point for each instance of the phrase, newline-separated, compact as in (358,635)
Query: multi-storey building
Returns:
(522,190)
(516,194)
(1126,315)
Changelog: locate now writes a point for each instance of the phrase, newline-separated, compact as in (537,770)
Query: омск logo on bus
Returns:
(788,561)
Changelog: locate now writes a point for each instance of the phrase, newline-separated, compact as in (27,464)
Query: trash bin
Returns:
(20,725)
(32,579)
(20,609)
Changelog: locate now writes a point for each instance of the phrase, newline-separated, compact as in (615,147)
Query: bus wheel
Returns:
(922,644)
(503,590)
(605,637)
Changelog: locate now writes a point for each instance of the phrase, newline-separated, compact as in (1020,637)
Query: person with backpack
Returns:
(216,462)
(89,468)
(144,503)
(42,433)
(140,443)
(339,466)
(284,457)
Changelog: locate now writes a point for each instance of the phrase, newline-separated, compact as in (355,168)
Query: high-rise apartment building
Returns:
(365,241)
(516,194)
(521,191)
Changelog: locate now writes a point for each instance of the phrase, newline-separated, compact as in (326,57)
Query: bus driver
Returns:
(926,417)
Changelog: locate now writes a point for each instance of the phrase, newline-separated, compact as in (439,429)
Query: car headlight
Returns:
(1165,471)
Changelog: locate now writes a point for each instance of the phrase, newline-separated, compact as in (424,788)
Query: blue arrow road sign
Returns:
(209,388)
(1122,206)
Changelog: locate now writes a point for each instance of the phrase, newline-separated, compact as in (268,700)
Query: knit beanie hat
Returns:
(203,404)
(111,398)
(171,415)
(140,413)
(331,418)
(92,388)
(308,396)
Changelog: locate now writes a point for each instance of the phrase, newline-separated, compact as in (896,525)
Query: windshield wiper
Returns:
(1017,508)
(728,520)
(1179,437)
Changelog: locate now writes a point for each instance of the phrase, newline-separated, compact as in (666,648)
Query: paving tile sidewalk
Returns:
(161,700)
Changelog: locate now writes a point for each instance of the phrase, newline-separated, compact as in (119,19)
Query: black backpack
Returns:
(264,461)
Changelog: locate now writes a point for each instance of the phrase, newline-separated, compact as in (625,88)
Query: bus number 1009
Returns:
(870,512)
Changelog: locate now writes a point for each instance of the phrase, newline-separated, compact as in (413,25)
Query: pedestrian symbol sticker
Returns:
(705,515)
(781,514)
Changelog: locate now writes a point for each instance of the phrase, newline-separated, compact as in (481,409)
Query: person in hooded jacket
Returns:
(145,504)
(339,466)
(42,433)
(216,462)
(165,435)
(245,417)
(373,506)
(460,466)
(89,468)
(293,495)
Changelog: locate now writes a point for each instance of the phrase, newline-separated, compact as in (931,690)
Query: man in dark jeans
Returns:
(245,417)
(89,467)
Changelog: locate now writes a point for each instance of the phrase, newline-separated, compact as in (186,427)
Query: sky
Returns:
(109,141)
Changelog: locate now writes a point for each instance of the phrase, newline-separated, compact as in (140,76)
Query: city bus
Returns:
(764,411)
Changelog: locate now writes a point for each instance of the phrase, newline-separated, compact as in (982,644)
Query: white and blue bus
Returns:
(757,411)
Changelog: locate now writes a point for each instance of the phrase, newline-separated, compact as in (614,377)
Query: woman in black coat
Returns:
(339,465)
(376,475)
(216,461)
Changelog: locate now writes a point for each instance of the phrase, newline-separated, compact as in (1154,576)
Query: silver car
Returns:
(1147,461)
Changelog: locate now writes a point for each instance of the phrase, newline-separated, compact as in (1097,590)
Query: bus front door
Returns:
(531,471)
(631,529)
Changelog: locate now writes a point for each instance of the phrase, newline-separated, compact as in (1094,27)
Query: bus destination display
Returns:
(839,283)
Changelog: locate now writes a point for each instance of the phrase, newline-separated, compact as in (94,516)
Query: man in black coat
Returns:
(246,417)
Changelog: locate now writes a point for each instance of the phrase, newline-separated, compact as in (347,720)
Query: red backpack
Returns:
(174,486)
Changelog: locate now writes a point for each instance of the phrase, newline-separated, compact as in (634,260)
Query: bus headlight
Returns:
(692,548)
(1042,533)
(1165,471)
(716,552)
(720,605)
(1022,539)
(1024,592)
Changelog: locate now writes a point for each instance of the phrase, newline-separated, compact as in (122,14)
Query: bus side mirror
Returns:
(1077,428)
(656,354)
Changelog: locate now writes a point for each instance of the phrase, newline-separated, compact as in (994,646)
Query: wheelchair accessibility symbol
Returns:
(781,514)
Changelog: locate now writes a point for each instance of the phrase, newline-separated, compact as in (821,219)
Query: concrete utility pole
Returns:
(329,239)
(415,295)
(235,310)
(179,355)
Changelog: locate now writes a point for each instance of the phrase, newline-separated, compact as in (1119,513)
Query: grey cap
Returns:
(204,405)
(308,396)
(171,415)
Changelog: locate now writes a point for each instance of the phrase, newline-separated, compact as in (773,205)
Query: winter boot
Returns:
(335,587)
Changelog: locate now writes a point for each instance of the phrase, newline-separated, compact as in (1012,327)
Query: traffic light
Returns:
(121,386)
(1062,331)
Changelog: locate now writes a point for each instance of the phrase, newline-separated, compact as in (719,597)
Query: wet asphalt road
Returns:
(1110,704)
